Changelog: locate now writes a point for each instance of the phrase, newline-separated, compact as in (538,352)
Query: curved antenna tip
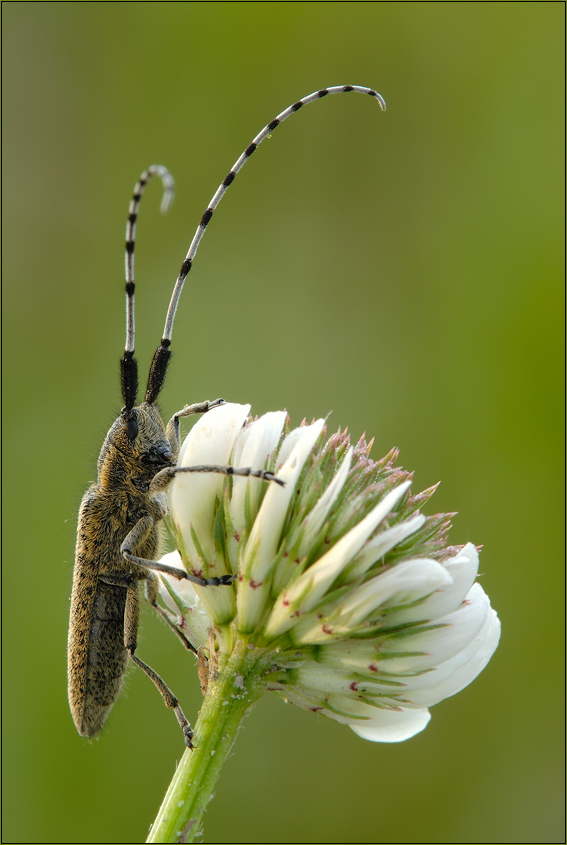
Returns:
(167,199)
(229,178)
(168,188)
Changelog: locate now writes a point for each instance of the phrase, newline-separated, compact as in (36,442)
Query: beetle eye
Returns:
(132,428)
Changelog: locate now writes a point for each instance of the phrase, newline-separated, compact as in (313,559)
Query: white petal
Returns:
(213,434)
(463,569)
(287,568)
(254,445)
(455,674)
(316,518)
(264,540)
(313,584)
(266,531)
(290,442)
(191,496)
(185,589)
(382,543)
(378,725)
(405,583)
(196,619)
(439,644)
(322,574)
(392,725)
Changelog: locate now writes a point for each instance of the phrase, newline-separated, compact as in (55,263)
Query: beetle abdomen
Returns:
(106,659)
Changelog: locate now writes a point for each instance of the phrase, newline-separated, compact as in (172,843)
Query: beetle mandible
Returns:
(118,535)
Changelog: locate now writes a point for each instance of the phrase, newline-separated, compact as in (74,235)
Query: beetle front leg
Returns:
(172,430)
(165,476)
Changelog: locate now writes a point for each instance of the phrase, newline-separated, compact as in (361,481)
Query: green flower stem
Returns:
(229,695)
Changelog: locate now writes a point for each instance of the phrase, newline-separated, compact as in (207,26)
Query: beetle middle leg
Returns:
(152,593)
(136,537)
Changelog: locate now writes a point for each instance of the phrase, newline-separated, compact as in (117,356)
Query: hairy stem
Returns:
(229,695)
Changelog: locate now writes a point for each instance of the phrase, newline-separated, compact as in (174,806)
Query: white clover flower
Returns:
(348,600)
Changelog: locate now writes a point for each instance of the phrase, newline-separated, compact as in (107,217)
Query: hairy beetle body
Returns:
(111,508)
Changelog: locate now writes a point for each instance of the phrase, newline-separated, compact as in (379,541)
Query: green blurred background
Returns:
(402,270)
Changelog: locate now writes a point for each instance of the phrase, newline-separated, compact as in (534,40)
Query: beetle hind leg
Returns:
(131,615)
(168,697)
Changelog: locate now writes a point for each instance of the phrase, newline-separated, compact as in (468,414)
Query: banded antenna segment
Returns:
(163,353)
(229,178)
(128,365)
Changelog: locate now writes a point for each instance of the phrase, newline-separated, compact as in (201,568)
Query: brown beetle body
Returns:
(104,613)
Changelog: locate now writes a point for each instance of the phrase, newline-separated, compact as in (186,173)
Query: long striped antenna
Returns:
(128,364)
(162,355)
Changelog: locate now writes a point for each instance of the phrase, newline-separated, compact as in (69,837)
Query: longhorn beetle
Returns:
(118,532)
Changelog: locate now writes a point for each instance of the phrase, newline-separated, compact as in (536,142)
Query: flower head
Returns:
(349,598)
